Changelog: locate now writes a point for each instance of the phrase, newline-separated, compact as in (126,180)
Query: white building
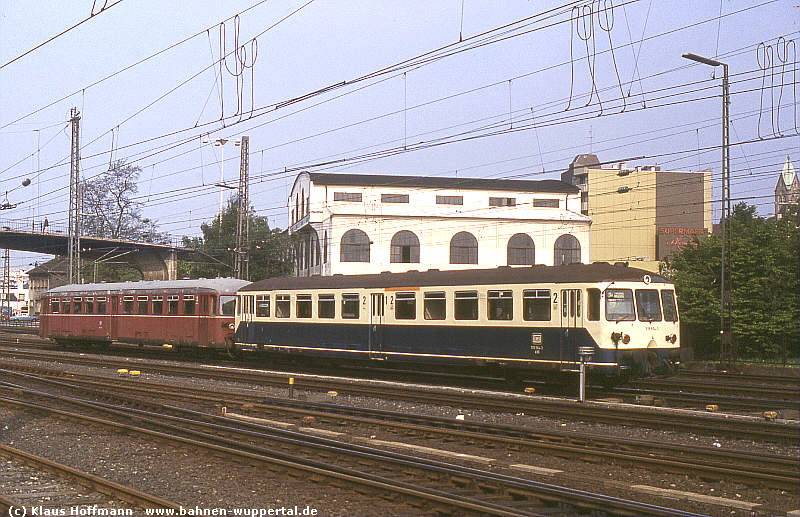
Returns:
(355,223)
(15,295)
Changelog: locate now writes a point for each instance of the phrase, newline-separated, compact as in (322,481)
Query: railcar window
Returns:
(89,305)
(593,307)
(141,305)
(76,305)
(101,305)
(619,305)
(172,304)
(227,304)
(577,304)
(54,303)
(500,305)
(65,303)
(350,306)
(648,305)
(435,306)
(189,304)
(326,306)
(203,304)
(158,305)
(282,306)
(668,301)
(262,305)
(466,305)
(303,305)
(536,305)
(127,304)
(405,306)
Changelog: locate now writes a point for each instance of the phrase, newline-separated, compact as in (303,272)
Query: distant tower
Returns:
(787,191)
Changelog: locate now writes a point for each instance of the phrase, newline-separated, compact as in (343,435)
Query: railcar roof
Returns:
(211,284)
(597,272)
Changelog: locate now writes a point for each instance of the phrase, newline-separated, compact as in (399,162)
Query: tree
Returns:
(763,264)
(270,248)
(111,207)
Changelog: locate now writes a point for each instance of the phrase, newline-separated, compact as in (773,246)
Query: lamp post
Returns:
(725,316)
(220,142)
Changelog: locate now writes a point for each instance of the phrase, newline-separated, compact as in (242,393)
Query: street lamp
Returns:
(725,316)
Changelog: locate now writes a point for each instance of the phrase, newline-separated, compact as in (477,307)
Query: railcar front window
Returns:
(466,305)
(619,305)
(668,301)
(172,305)
(648,305)
(189,304)
(262,305)
(405,307)
(303,305)
(227,304)
(500,305)
(536,305)
(435,306)
(141,305)
(282,306)
(158,305)
(350,306)
(127,304)
(326,306)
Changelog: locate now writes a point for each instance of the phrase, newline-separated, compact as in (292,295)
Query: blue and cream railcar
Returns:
(528,318)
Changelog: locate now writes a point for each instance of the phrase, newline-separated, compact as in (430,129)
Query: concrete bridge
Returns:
(154,261)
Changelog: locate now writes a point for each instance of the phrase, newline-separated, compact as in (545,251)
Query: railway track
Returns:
(30,481)
(616,414)
(430,484)
(769,471)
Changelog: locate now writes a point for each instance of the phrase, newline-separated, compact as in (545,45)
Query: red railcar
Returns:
(182,313)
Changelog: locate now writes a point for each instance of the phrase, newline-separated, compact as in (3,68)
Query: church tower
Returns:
(787,191)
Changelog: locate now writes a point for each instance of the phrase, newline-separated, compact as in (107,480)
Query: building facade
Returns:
(42,278)
(354,224)
(15,294)
(642,214)
(787,191)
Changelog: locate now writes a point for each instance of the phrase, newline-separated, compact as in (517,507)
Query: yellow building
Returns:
(640,215)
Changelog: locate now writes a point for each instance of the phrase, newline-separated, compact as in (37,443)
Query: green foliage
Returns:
(270,249)
(763,264)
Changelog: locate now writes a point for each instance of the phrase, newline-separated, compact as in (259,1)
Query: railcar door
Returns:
(571,325)
(376,325)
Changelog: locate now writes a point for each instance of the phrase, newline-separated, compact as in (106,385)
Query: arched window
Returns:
(463,249)
(355,246)
(567,250)
(520,250)
(405,247)
(314,250)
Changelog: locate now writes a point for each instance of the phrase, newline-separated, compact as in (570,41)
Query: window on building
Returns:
(463,249)
(593,307)
(466,305)
(404,248)
(352,197)
(405,306)
(189,304)
(500,305)
(141,305)
(394,198)
(326,306)
(350,306)
(435,305)
(303,305)
(325,247)
(262,305)
(355,246)
(158,305)
(127,304)
(283,306)
(536,305)
(567,250)
(546,203)
(502,201)
(449,200)
(172,304)
(101,305)
(520,250)
(668,301)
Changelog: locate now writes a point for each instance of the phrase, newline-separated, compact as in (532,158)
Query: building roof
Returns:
(584,160)
(213,284)
(788,173)
(596,272)
(57,265)
(379,180)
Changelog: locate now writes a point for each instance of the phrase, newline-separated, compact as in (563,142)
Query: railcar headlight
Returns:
(673,339)
(626,339)
(616,336)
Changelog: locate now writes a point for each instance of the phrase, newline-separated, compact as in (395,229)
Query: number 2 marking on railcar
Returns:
(555,298)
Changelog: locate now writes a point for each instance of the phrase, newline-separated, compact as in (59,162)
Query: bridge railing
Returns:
(38,226)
